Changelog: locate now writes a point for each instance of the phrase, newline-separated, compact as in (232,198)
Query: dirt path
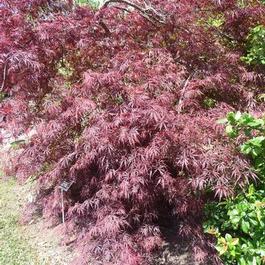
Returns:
(32,244)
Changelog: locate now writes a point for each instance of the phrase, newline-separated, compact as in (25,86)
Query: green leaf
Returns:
(238,115)
(257,141)
(251,190)
(256,123)
(221,249)
(230,131)
(235,241)
(231,117)
(228,237)
(245,226)
(242,261)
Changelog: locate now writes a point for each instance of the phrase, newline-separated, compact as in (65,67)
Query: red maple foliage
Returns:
(119,102)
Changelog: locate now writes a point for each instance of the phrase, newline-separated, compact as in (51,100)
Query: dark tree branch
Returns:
(144,12)
(104,26)
(123,2)
(141,14)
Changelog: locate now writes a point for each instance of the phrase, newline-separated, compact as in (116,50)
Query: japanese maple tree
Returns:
(123,101)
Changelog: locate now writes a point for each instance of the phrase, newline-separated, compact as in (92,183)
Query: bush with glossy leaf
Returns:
(252,130)
(239,226)
(239,223)
(256,46)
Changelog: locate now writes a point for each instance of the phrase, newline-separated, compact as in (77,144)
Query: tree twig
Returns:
(183,90)
(4,75)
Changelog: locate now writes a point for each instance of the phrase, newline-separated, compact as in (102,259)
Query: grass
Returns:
(14,248)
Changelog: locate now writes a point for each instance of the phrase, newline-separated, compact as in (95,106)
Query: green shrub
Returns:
(253,130)
(256,46)
(239,226)
(239,223)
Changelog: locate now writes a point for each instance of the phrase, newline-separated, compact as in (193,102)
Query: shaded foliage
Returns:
(119,102)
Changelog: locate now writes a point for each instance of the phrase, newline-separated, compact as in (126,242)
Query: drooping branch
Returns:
(143,15)
(123,2)
(148,13)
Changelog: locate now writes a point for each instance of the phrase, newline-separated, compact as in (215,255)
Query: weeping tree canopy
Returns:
(123,101)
